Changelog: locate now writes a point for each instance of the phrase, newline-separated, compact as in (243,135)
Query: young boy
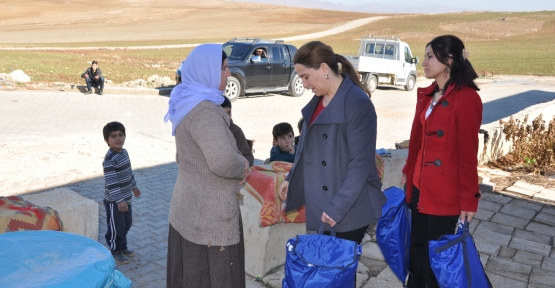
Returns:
(118,189)
(283,150)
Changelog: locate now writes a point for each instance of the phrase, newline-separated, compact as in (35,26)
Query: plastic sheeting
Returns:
(56,259)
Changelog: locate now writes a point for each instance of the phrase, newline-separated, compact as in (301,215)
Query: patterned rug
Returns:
(263,185)
(17,214)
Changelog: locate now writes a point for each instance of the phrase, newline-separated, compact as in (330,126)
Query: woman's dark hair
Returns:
(314,53)
(451,47)
(224,56)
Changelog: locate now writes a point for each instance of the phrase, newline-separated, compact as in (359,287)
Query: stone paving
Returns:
(514,236)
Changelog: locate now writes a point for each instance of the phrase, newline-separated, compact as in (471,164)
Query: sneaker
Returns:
(127,252)
(101,92)
(120,258)
(88,92)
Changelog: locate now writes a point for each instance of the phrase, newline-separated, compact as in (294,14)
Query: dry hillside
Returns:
(79,21)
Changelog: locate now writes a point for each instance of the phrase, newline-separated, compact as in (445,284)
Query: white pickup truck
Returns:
(385,61)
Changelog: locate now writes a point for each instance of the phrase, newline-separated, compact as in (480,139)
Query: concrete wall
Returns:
(79,215)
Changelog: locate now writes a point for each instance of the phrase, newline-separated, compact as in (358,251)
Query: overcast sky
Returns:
(475,5)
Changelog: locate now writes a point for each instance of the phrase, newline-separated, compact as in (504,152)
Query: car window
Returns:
(277,55)
(236,51)
(407,55)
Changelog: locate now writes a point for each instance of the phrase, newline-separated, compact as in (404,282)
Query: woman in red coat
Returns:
(441,173)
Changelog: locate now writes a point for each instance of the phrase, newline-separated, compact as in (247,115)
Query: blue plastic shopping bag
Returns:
(320,261)
(393,232)
(456,262)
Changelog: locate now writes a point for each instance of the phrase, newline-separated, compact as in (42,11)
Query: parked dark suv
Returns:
(260,66)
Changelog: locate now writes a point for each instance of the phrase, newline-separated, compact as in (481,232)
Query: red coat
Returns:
(449,174)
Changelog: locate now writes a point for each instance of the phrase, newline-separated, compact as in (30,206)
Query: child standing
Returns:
(119,187)
(283,150)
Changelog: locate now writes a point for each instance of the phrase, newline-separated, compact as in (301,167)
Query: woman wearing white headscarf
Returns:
(205,242)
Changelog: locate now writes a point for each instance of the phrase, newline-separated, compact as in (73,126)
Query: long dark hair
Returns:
(314,53)
(451,47)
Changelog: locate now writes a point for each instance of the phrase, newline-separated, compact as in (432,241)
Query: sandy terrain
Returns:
(30,22)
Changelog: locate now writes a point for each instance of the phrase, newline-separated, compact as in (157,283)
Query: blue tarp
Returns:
(56,259)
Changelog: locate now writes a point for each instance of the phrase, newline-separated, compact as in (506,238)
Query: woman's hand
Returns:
(469,215)
(327,219)
(247,172)
(403,178)
(283,190)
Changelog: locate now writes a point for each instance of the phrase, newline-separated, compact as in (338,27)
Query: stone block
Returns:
(507,253)
(382,283)
(388,274)
(264,246)
(508,220)
(486,187)
(540,277)
(527,258)
(484,259)
(545,218)
(485,235)
(374,266)
(508,269)
(548,264)
(549,209)
(500,281)
(541,228)
(482,214)
(372,250)
(528,186)
(531,236)
(520,212)
(79,214)
(496,227)
(487,248)
(545,195)
(490,206)
(496,198)
(520,191)
(530,246)
(524,203)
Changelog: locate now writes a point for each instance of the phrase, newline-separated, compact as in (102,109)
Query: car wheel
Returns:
(372,83)
(410,83)
(296,87)
(232,89)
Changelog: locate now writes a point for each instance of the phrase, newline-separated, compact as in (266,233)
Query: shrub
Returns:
(532,144)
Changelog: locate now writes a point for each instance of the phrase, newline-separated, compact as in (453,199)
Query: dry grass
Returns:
(523,43)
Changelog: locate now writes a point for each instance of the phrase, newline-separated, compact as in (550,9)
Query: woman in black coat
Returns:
(335,173)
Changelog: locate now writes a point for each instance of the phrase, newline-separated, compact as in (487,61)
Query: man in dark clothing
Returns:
(93,77)
(242,142)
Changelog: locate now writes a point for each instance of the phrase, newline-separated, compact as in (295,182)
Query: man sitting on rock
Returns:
(93,77)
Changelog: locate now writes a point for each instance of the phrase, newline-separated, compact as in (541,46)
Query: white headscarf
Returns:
(200,79)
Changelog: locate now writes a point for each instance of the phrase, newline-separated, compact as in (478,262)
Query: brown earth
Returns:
(29,21)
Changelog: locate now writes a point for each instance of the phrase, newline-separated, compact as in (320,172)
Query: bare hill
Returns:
(55,21)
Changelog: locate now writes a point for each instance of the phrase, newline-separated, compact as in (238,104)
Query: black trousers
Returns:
(118,226)
(91,82)
(424,228)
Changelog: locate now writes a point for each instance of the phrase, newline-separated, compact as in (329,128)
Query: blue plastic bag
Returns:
(393,232)
(456,262)
(320,261)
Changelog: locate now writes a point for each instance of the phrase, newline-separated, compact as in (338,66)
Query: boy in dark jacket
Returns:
(93,78)
(283,150)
